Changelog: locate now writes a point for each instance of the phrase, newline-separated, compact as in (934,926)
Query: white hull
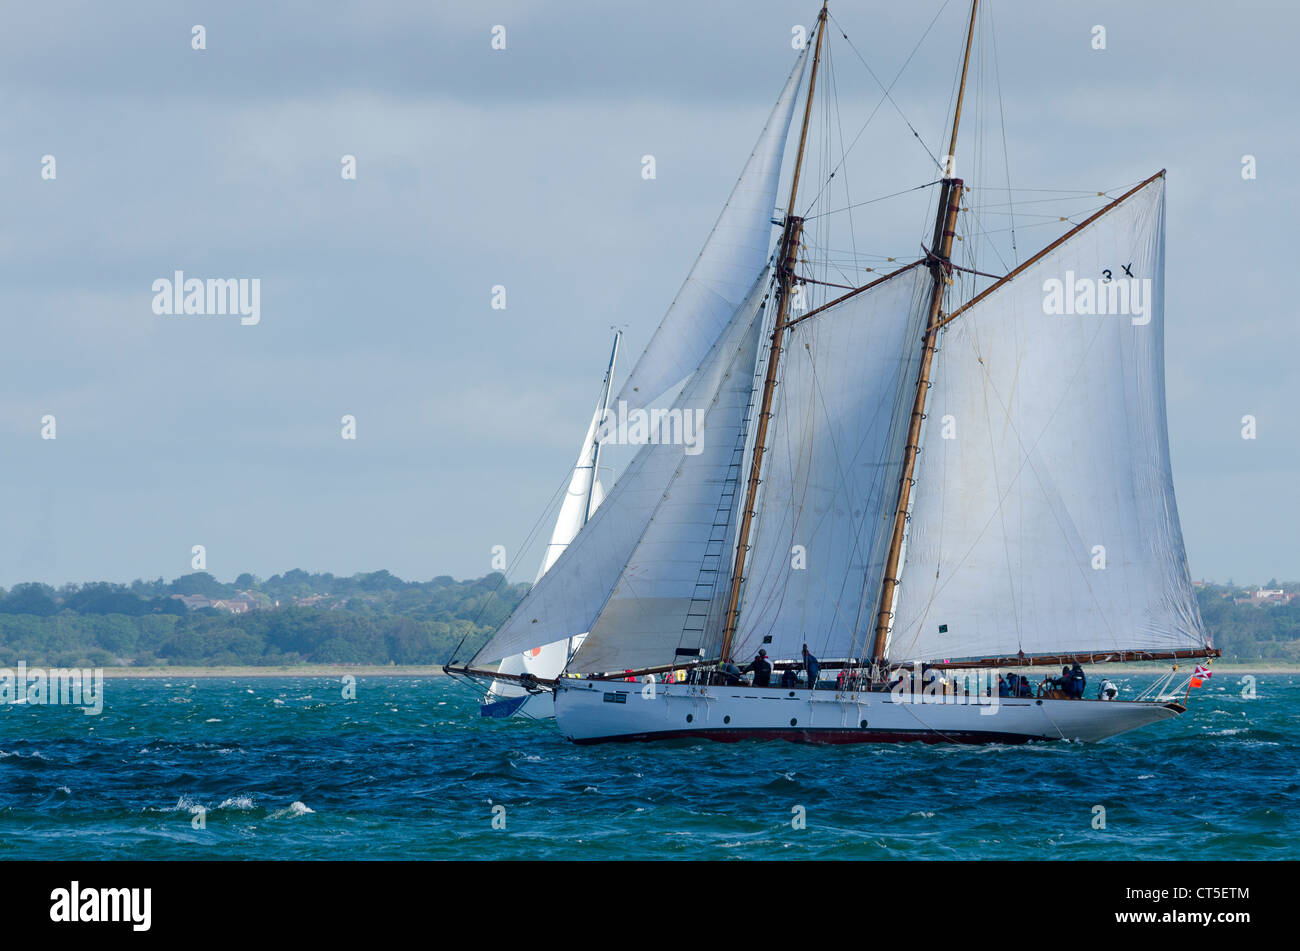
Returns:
(590,711)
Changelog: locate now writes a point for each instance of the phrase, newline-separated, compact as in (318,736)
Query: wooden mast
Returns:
(789,250)
(945,225)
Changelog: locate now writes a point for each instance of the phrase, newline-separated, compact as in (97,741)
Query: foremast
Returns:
(786,256)
(945,228)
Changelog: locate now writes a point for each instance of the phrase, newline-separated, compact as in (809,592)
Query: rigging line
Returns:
(804,279)
(1082,196)
(886,95)
(827,264)
(836,211)
(981,231)
(839,120)
(1006,155)
(1052,216)
(522,549)
(1066,191)
(1036,224)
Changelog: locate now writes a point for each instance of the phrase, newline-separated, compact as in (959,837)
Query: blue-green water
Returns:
(287,768)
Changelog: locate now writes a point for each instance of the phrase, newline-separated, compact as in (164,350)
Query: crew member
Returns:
(762,669)
(813,666)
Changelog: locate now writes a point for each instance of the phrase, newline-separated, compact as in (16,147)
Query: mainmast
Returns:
(789,250)
(945,225)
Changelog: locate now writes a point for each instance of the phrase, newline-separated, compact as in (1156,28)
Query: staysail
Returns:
(680,566)
(830,477)
(1043,516)
(585,492)
(572,594)
(735,251)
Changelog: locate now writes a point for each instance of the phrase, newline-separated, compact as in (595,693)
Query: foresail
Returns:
(1043,515)
(830,473)
(735,251)
(681,565)
(577,497)
(568,598)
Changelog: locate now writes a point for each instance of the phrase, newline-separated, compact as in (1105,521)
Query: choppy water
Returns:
(286,768)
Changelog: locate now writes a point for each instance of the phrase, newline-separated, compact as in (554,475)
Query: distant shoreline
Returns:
(427,670)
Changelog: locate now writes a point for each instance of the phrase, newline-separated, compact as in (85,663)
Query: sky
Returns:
(522,167)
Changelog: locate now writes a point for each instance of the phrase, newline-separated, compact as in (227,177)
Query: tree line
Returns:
(366,618)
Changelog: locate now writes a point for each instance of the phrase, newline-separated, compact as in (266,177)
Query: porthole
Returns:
(726,719)
(863,724)
(1040,703)
(792,693)
(794,721)
(690,718)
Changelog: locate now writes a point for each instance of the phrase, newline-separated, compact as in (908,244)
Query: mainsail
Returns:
(735,251)
(572,594)
(1043,516)
(834,448)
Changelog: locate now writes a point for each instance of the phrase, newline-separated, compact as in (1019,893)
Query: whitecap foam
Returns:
(295,808)
(187,804)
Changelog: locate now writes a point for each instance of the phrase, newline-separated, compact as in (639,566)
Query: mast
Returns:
(945,225)
(604,409)
(789,250)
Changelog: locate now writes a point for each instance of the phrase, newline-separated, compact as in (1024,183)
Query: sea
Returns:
(402,767)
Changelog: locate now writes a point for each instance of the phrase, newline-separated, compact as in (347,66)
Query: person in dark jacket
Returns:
(1062,683)
(731,675)
(813,666)
(762,669)
(789,678)
(1078,681)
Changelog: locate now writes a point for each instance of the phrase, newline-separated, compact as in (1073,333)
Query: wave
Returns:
(293,810)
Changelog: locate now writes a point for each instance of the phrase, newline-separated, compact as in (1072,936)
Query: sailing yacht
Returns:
(513,693)
(918,489)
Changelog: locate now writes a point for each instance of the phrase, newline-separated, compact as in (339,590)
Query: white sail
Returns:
(735,251)
(681,564)
(571,595)
(1043,515)
(579,499)
(582,497)
(830,474)
(547,660)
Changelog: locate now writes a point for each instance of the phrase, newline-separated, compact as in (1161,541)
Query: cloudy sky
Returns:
(522,167)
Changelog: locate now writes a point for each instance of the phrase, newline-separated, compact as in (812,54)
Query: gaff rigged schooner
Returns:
(893,481)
